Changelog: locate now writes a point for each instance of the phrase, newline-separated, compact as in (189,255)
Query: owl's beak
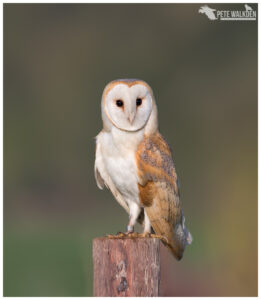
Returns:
(131,117)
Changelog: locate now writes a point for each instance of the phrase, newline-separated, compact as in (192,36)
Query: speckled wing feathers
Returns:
(158,186)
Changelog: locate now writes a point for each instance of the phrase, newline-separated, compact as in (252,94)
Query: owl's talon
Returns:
(120,233)
(157,236)
(116,236)
(145,235)
(131,234)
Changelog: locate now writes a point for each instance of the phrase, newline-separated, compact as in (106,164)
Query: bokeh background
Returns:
(57,60)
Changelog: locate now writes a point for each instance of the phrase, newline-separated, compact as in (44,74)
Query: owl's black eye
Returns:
(119,103)
(138,101)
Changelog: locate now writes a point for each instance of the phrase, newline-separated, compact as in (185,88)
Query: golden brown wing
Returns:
(158,187)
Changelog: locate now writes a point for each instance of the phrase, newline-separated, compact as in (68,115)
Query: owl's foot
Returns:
(119,235)
(130,231)
(156,236)
(122,235)
(153,236)
(131,234)
(145,235)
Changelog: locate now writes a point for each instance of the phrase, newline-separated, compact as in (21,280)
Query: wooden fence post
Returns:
(126,267)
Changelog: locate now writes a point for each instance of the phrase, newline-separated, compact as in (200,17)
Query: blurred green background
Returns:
(57,60)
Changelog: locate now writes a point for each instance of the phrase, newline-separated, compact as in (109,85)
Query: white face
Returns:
(128,108)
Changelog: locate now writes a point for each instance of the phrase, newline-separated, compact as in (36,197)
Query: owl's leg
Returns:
(147,225)
(134,213)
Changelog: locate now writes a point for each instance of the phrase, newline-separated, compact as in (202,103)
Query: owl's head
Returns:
(129,105)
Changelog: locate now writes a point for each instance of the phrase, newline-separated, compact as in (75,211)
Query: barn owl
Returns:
(134,161)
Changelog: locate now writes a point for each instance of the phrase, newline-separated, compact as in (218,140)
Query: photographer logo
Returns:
(248,14)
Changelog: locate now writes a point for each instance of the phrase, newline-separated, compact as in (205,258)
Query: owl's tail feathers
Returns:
(174,237)
(188,236)
(179,240)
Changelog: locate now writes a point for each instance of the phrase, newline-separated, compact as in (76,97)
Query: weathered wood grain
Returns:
(126,267)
